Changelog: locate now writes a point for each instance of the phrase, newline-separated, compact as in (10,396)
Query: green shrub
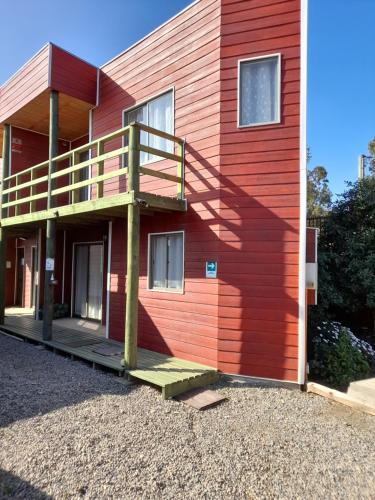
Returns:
(337,356)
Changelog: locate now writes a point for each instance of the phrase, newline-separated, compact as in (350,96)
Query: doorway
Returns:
(20,276)
(34,273)
(88,280)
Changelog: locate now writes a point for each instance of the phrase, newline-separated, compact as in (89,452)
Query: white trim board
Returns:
(303,201)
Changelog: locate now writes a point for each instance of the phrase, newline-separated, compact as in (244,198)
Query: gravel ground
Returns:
(68,431)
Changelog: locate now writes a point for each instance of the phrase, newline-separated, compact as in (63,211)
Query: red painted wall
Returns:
(183,54)
(72,76)
(28,149)
(259,199)
(242,188)
(29,81)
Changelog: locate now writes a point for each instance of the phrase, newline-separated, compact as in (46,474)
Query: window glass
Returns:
(259,91)
(166,261)
(157,113)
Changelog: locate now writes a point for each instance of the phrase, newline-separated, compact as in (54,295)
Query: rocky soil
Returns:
(68,431)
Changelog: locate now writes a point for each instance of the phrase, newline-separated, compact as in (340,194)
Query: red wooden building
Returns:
(222,231)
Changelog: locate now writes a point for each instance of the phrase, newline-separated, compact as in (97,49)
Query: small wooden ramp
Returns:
(173,375)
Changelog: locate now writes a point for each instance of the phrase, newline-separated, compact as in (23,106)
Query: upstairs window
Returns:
(259,91)
(166,256)
(156,113)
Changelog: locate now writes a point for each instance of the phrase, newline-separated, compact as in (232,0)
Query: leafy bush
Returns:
(337,355)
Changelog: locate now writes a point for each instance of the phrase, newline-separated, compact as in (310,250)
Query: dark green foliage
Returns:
(347,251)
(318,193)
(371,150)
(337,356)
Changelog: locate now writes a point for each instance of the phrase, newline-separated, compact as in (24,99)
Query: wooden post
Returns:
(53,142)
(181,170)
(132,281)
(5,169)
(3,213)
(2,274)
(51,223)
(100,185)
(75,178)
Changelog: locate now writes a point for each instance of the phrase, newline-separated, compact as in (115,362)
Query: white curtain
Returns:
(80,299)
(258,91)
(158,114)
(159,261)
(160,117)
(95,282)
(175,257)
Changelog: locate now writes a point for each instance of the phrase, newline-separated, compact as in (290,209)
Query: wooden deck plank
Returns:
(173,375)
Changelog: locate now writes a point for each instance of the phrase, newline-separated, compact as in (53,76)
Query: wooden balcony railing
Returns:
(21,192)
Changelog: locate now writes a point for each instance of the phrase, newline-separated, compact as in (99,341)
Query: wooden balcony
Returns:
(49,194)
(51,190)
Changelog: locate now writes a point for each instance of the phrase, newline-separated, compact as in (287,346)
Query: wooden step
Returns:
(363,391)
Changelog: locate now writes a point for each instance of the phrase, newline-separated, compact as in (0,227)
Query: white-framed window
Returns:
(259,90)
(157,113)
(166,261)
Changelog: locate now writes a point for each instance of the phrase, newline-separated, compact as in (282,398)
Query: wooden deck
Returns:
(172,375)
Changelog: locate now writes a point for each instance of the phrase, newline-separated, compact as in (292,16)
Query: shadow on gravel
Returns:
(12,486)
(35,381)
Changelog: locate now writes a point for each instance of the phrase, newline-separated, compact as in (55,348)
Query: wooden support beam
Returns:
(53,142)
(180,170)
(5,168)
(100,185)
(48,279)
(75,177)
(2,274)
(51,223)
(132,280)
(3,213)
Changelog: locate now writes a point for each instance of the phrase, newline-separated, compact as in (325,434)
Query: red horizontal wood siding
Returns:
(72,76)
(184,55)
(30,148)
(259,200)
(242,187)
(29,81)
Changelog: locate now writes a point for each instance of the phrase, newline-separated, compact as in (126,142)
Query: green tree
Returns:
(347,250)
(371,150)
(319,196)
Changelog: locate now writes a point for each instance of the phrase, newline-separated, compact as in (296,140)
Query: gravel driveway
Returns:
(68,431)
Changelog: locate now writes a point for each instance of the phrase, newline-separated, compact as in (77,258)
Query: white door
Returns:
(88,281)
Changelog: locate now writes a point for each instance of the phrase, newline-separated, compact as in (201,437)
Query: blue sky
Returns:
(341,104)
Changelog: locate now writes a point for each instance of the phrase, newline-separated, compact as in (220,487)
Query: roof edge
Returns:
(25,64)
(149,34)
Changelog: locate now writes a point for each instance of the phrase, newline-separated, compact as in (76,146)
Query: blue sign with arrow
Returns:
(211,269)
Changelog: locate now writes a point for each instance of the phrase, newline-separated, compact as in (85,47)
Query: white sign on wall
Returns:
(50,264)
(211,269)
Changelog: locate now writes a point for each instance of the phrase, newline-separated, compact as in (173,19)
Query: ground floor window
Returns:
(166,257)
